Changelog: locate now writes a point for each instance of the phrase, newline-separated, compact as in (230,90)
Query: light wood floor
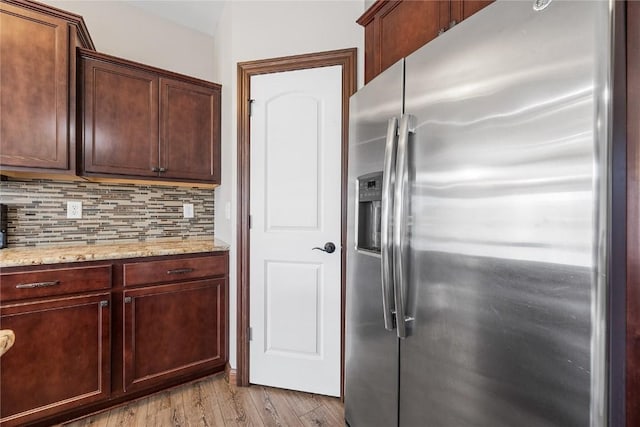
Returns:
(212,402)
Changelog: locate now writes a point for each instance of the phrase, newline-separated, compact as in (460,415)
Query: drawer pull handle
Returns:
(180,271)
(37,285)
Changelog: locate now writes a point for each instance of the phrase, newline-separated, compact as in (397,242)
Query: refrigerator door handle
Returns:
(386,229)
(400,211)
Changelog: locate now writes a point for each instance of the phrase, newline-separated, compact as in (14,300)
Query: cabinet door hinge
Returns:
(127,300)
(448,27)
(250,334)
(104,303)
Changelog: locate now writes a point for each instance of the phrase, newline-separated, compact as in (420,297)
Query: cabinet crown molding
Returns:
(73,19)
(370,13)
(98,56)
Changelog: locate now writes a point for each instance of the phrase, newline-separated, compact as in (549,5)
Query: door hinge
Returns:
(250,222)
(250,333)
(251,101)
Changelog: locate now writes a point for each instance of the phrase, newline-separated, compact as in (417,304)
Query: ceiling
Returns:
(200,15)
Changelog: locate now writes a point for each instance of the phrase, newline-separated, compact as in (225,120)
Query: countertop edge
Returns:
(24,257)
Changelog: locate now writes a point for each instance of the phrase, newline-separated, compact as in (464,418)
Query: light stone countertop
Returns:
(103,251)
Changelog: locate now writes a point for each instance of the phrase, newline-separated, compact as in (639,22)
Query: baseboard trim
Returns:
(230,375)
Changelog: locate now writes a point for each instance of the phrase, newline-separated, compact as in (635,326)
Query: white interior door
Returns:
(295,291)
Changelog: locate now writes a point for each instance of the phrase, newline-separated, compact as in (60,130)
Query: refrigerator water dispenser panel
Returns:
(369,212)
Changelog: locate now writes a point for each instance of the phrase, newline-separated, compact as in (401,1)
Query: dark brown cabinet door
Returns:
(462,9)
(34,74)
(120,119)
(173,330)
(403,27)
(394,29)
(60,360)
(190,131)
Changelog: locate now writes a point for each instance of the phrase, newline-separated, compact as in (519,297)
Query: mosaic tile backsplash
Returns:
(37,212)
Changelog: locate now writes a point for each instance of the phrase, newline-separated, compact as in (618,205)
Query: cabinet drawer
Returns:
(49,282)
(148,272)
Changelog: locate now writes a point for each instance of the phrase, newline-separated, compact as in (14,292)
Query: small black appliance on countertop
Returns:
(3,226)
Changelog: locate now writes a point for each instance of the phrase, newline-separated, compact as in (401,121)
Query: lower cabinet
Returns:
(96,334)
(61,358)
(172,330)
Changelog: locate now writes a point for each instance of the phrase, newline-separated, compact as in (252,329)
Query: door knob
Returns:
(329,248)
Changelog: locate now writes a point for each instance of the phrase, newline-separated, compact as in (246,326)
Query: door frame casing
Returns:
(346,58)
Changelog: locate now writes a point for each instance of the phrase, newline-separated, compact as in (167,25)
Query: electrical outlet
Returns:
(187,210)
(74,210)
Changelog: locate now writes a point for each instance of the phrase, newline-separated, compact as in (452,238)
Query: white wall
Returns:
(251,30)
(128,32)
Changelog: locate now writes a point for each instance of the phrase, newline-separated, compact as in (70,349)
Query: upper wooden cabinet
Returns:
(394,29)
(37,130)
(142,122)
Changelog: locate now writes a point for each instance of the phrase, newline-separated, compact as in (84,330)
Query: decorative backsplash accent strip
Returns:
(37,212)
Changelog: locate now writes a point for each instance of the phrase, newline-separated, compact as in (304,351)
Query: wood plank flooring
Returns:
(212,402)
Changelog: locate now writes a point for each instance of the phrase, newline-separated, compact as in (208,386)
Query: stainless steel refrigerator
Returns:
(478,215)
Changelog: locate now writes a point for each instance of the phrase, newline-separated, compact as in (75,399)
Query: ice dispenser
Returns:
(369,211)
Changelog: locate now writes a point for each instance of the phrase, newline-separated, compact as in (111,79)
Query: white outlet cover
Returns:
(74,210)
(187,210)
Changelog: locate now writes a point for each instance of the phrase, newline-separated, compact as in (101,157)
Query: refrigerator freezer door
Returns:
(503,220)
(371,356)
